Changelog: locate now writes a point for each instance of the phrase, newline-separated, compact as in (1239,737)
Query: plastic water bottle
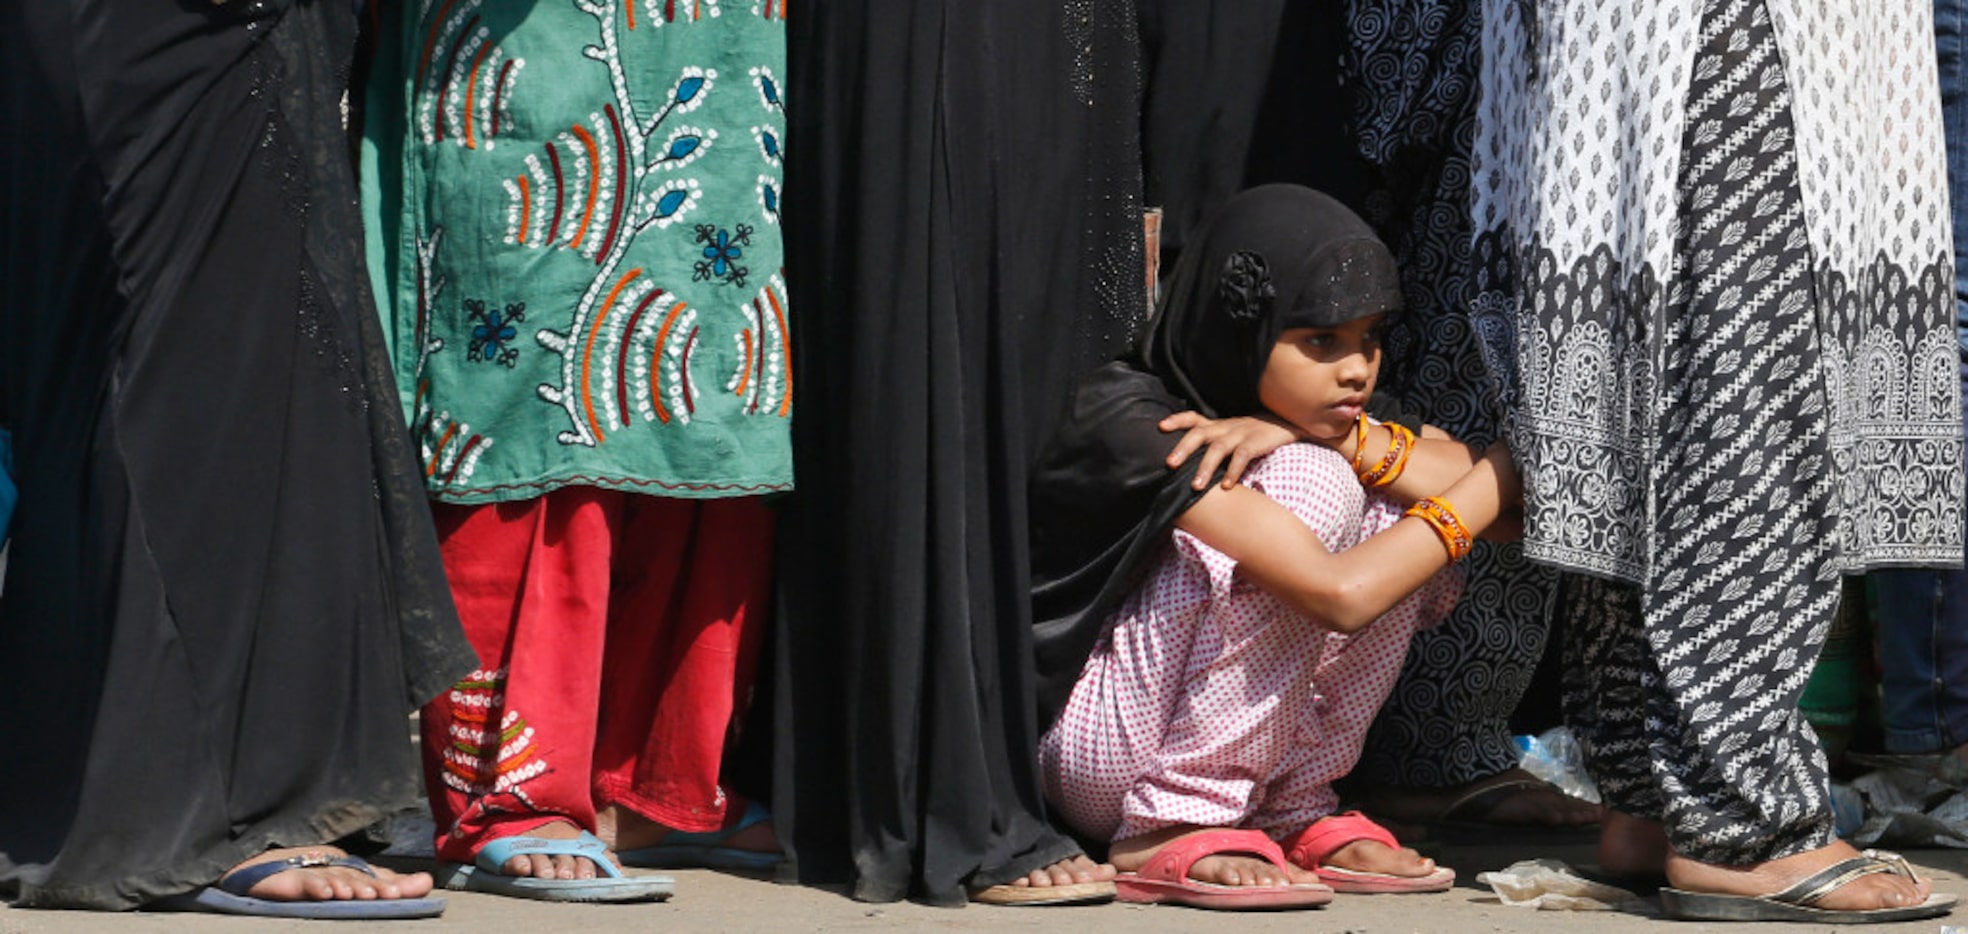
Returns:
(1555,756)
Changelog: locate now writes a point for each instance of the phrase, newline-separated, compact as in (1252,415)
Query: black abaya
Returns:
(963,215)
(224,595)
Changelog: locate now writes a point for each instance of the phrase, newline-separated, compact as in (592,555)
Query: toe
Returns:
(317,887)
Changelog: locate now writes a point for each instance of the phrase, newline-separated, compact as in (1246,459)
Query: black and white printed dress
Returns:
(1414,66)
(1713,248)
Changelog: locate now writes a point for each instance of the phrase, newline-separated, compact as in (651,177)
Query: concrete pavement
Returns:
(714,902)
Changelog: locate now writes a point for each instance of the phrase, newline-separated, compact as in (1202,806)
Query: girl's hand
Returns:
(1241,440)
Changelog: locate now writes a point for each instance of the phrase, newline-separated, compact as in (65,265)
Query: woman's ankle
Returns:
(1632,846)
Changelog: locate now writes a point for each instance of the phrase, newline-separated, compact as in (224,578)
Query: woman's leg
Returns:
(691,581)
(1609,680)
(509,749)
(1744,580)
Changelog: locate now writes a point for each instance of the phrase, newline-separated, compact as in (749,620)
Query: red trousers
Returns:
(617,635)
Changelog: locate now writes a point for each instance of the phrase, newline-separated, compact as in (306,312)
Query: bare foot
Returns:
(1133,853)
(1632,846)
(624,829)
(1884,890)
(544,866)
(1073,871)
(331,883)
(1374,856)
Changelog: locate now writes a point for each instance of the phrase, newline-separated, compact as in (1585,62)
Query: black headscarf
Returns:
(1103,498)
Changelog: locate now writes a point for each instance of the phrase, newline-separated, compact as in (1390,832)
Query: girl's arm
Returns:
(1438,459)
(1435,463)
(1344,591)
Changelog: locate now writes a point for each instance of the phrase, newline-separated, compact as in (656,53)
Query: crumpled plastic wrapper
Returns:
(1551,885)
(1910,806)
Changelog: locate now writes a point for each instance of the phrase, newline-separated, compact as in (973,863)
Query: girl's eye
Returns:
(1319,340)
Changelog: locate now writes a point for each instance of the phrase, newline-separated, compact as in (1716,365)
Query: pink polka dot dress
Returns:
(1211,702)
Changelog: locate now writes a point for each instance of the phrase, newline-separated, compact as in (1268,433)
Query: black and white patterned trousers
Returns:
(1684,691)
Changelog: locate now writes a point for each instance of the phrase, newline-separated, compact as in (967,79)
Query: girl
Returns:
(1205,687)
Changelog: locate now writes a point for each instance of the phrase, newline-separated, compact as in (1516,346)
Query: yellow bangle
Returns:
(1448,526)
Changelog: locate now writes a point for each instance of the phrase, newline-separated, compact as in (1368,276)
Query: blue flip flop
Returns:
(488,876)
(228,896)
(706,850)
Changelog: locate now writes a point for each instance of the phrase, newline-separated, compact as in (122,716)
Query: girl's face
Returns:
(1318,379)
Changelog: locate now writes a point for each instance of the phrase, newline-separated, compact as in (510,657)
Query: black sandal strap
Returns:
(1479,804)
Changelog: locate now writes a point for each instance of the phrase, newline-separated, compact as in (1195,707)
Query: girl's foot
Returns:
(1374,856)
(1131,854)
(331,883)
(1866,893)
(557,866)
(1351,853)
(1632,847)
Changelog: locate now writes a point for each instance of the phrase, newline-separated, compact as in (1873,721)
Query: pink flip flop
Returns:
(1165,878)
(1318,842)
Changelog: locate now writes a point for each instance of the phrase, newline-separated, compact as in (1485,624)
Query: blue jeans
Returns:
(1923,615)
(1923,655)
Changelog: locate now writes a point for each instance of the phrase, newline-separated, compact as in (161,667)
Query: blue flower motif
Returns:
(494,332)
(722,251)
(723,254)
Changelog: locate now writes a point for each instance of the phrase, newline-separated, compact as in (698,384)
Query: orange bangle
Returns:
(1359,441)
(1448,526)
(1401,464)
(1394,461)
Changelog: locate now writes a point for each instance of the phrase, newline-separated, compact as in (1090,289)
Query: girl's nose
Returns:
(1357,367)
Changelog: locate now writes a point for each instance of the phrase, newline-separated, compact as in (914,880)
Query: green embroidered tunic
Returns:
(574,211)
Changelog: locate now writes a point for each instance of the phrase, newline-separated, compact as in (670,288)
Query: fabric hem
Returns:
(1914,742)
(671,816)
(514,492)
(208,868)
(1040,858)
(525,823)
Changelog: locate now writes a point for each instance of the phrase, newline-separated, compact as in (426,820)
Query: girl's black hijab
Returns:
(1102,497)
